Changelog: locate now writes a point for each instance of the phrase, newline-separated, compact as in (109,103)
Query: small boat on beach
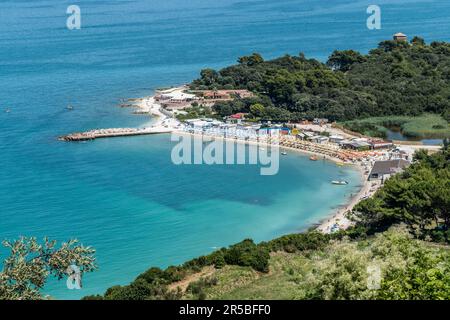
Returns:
(313,158)
(339,182)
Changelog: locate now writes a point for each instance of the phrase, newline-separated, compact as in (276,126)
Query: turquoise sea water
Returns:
(123,196)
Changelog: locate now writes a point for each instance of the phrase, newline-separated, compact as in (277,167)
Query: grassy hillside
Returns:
(339,271)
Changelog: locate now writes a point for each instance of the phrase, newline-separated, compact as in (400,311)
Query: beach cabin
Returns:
(308,134)
(380,144)
(385,169)
(355,144)
(319,139)
(399,154)
(216,123)
(336,139)
(300,136)
(285,131)
(198,124)
(270,131)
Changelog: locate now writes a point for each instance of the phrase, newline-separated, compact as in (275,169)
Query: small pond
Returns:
(396,134)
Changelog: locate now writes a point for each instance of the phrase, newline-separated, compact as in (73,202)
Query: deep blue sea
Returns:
(124,196)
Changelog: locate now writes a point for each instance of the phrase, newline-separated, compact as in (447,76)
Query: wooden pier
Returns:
(111,133)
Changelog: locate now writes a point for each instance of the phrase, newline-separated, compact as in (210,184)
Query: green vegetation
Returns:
(425,126)
(26,270)
(154,283)
(409,269)
(397,78)
(396,231)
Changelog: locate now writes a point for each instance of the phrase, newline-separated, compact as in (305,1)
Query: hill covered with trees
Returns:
(396,78)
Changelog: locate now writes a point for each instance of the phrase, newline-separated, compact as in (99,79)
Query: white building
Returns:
(385,169)
(336,139)
(319,139)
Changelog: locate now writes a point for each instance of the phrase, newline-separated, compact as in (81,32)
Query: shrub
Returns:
(247,253)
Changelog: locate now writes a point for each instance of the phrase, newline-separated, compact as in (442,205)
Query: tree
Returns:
(252,60)
(26,270)
(418,197)
(418,41)
(390,45)
(257,110)
(412,270)
(343,60)
(209,76)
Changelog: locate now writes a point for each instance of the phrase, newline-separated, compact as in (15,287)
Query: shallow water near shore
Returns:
(124,196)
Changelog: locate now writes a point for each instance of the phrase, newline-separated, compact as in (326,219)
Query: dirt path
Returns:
(183,284)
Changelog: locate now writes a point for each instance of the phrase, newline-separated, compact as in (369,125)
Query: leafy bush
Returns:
(247,253)
(299,242)
(197,288)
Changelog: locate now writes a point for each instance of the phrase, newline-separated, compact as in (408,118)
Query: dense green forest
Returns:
(404,229)
(396,78)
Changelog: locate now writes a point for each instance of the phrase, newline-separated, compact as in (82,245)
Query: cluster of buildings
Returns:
(381,169)
(175,98)
(235,121)
(205,124)
(358,144)
(209,97)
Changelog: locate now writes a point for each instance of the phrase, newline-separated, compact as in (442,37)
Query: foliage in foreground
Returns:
(338,268)
(154,283)
(30,263)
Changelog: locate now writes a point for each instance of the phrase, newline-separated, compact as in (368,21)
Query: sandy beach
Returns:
(339,218)
(159,121)
(148,105)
